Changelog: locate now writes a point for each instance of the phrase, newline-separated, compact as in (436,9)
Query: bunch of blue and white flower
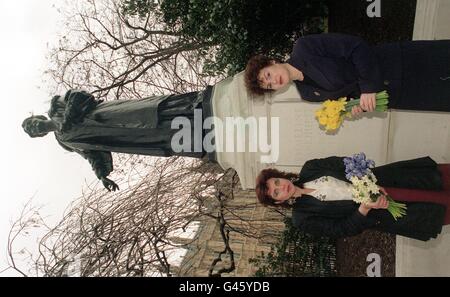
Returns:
(357,165)
(365,189)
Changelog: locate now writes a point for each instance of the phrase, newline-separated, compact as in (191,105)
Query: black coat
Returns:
(341,218)
(94,129)
(416,74)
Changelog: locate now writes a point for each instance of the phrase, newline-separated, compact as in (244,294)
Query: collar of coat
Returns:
(309,204)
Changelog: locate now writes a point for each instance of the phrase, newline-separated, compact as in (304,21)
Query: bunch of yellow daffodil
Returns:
(332,113)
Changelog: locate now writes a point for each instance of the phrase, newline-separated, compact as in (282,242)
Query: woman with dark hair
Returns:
(321,200)
(416,74)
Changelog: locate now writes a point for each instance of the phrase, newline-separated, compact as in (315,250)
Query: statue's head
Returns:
(35,126)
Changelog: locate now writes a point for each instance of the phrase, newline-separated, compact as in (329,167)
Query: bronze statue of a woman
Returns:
(94,129)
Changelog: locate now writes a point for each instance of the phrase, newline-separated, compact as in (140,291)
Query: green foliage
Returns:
(138,7)
(238,28)
(298,254)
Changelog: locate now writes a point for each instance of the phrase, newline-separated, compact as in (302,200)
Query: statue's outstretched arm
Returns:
(102,165)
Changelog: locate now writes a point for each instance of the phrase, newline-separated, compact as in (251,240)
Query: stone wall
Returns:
(263,226)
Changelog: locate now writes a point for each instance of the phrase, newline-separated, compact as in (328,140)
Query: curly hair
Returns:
(261,185)
(254,66)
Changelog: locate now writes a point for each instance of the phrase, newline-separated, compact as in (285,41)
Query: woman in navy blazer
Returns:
(416,74)
(421,184)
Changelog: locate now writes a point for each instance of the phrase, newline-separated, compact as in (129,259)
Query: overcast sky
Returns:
(31,167)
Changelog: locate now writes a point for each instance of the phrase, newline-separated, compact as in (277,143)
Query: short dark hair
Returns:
(254,66)
(26,123)
(261,185)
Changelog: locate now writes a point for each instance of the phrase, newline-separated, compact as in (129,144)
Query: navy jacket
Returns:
(341,65)
(341,218)
(415,73)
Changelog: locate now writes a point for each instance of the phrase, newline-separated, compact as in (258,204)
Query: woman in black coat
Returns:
(322,204)
(416,74)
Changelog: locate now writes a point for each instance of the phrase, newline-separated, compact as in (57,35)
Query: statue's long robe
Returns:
(126,126)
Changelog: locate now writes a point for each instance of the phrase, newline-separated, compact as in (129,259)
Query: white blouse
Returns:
(328,188)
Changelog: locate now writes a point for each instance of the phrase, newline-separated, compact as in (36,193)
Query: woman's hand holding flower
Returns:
(356,110)
(368,101)
(381,202)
